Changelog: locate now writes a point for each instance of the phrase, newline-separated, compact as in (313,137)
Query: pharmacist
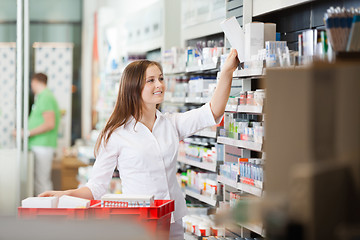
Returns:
(143,143)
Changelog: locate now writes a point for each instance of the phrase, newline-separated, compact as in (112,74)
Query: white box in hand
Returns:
(235,34)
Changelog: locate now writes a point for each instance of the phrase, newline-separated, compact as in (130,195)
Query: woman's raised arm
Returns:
(222,91)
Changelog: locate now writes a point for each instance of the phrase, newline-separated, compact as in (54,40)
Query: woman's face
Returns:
(154,88)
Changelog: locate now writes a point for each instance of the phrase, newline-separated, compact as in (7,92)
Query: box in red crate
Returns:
(53,213)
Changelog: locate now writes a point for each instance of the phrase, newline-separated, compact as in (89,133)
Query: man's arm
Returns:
(49,124)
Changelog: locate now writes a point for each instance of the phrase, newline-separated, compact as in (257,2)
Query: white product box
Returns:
(127,200)
(254,39)
(73,202)
(269,32)
(40,202)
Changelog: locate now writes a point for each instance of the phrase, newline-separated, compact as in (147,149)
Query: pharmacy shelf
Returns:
(201,198)
(254,146)
(248,72)
(197,100)
(175,100)
(240,186)
(202,29)
(204,144)
(145,46)
(175,72)
(212,167)
(254,228)
(202,68)
(196,69)
(250,109)
(205,133)
(236,227)
(190,236)
(244,109)
(231,108)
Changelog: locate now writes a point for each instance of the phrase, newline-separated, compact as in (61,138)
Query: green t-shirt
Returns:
(44,102)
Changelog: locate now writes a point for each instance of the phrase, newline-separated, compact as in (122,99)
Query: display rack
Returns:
(254,228)
(206,67)
(202,198)
(202,29)
(212,167)
(206,133)
(253,146)
(244,109)
(253,75)
(190,236)
(248,72)
(241,186)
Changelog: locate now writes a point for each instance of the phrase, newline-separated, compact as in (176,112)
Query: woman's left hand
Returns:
(231,62)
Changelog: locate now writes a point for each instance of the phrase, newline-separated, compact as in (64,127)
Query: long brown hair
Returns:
(129,102)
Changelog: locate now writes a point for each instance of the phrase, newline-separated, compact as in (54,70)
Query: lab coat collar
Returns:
(131,122)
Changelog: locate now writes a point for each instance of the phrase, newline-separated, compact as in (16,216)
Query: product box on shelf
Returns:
(251,171)
(202,226)
(269,32)
(254,38)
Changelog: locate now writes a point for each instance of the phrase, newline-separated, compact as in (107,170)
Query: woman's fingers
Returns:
(52,194)
(232,61)
(46,194)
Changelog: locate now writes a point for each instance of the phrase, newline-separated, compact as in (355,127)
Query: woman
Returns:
(143,143)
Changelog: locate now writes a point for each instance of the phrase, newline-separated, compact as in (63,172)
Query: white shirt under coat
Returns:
(147,160)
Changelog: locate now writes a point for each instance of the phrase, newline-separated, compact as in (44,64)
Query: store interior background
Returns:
(120,29)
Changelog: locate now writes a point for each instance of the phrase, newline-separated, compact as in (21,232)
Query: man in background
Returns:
(43,131)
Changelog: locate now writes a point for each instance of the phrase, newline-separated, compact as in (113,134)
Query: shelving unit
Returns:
(202,29)
(253,146)
(206,133)
(248,73)
(191,33)
(206,67)
(212,167)
(189,236)
(254,228)
(201,198)
(244,109)
(241,186)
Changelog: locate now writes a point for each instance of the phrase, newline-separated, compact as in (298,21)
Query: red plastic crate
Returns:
(156,219)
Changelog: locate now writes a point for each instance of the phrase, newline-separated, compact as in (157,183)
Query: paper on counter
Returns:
(235,34)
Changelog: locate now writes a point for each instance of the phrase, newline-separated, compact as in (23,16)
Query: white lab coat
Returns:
(147,160)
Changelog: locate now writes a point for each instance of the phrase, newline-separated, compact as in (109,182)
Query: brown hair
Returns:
(40,77)
(129,102)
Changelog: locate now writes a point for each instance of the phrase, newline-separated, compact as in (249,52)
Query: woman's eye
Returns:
(150,80)
(161,79)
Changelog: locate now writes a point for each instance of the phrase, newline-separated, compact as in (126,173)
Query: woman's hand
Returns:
(54,193)
(222,91)
(231,62)
(83,192)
